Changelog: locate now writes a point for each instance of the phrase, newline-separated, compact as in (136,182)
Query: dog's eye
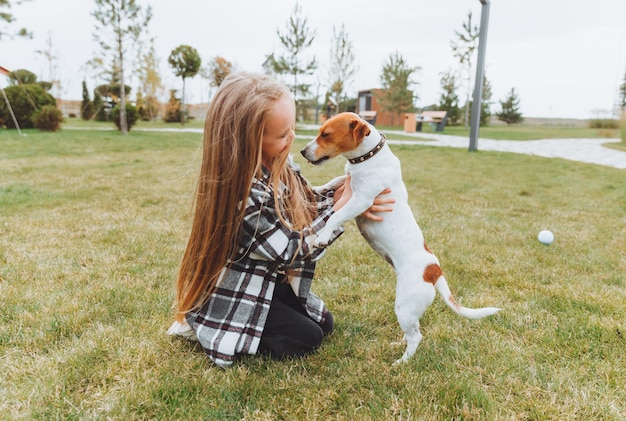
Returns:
(324,134)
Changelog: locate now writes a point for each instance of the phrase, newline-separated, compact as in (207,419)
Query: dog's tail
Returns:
(470,313)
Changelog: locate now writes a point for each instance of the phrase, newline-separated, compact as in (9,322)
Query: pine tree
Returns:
(621,104)
(297,38)
(86,107)
(463,50)
(449,100)
(485,106)
(342,67)
(7,18)
(510,109)
(395,78)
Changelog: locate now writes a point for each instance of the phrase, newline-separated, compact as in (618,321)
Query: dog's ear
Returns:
(359,129)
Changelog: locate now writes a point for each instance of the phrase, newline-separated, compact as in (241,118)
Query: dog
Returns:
(398,239)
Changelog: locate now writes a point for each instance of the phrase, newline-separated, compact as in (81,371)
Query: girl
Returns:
(245,277)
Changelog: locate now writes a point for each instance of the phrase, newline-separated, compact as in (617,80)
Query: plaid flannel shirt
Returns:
(232,320)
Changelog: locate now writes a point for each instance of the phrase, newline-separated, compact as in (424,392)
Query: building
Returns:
(367,106)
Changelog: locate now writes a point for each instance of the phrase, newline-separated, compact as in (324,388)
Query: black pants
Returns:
(289,331)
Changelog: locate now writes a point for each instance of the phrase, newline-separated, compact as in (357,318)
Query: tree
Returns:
(26,77)
(7,18)
(172,109)
(119,24)
(150,85)
(48,53)
(485,103)
(185,61)
(111,92)
(296,39)
(86,107)
(463,49)
(342,67)
(621,102)
(510,107)
(396,83)
(449,100)
(105,98)
(485,106)
(22,77)
(217,70)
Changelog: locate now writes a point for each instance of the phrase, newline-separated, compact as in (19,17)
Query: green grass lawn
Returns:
(93,225)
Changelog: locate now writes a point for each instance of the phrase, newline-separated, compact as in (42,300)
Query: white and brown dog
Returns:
(373,168)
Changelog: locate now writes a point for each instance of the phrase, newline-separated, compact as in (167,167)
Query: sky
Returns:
(564,58)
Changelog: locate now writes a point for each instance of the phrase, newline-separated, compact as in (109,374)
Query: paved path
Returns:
(589,151)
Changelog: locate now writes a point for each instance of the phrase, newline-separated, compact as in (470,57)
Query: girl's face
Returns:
(279,130)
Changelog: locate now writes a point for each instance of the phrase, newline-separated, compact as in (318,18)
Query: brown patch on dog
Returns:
(427,249)
(360,130)
(342,133)
(432,273)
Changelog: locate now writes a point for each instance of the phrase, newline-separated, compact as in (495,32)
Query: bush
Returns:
(131,116)
(25,100)
(173,112)
(22,77)
(48,118)
(603,123)
(148,107)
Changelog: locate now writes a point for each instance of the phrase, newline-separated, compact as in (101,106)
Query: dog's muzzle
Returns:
(319,161)
(309,155)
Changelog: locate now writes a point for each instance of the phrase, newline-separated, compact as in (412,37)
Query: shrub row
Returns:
(603,123)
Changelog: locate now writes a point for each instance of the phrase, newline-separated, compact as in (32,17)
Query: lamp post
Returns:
(480,75)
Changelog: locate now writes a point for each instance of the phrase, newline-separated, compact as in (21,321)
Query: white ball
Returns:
(546,237)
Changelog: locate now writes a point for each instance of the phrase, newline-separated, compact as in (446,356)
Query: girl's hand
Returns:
(342,194)
(379,206)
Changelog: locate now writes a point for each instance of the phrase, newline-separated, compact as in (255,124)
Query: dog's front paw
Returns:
(331,185)
(323,238)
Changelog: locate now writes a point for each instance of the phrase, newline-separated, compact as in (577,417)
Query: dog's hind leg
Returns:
(412,300)
(413,340)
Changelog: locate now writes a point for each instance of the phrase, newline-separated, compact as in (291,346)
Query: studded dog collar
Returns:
(371,153)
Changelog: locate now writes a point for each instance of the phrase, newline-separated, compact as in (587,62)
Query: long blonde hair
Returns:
(231,159)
